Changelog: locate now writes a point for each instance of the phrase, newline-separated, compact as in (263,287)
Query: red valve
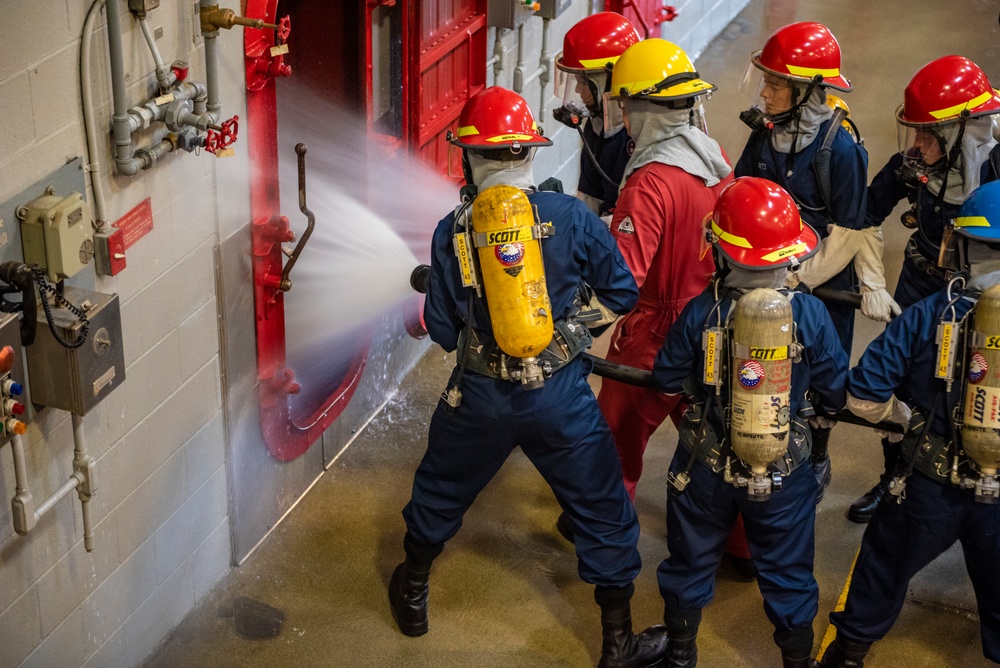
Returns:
(265,59)
(218,140)
(666,13)
(180,70)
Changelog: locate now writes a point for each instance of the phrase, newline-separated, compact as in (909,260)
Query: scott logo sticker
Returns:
(977,368)
(510,254)
(750,373)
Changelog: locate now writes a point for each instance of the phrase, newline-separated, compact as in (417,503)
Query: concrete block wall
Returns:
(160,513)
(697,23)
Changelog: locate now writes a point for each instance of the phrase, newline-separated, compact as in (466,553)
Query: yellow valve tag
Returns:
(226,153)
(279,50)
(946,350)
(163,99)
(462,248)
(711,343)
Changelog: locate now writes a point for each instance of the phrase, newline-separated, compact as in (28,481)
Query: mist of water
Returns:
(375,212)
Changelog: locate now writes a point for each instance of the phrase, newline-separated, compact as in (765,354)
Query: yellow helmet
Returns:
(655,69)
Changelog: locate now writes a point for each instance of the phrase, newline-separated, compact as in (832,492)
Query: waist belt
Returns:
(483,355)
(709,452)
(925,264)
(929,454)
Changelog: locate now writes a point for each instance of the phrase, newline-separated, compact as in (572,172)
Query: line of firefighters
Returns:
(710,268)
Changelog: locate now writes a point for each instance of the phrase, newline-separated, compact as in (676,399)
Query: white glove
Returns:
(821,422)
(875,301)
(893,410)
(835,253)
(607,219)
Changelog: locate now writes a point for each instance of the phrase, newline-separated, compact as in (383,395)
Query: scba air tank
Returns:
(981,414)
(761,383)
(513,276)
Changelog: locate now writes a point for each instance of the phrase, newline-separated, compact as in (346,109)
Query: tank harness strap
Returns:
(824,156)
(925,264)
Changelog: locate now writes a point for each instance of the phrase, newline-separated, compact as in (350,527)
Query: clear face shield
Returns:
(924,148)
(581,93)
(771,97)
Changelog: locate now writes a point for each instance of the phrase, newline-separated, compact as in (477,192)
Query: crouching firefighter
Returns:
(745,352)
(503,293)
(942,359)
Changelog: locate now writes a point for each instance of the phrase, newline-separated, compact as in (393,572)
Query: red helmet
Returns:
(596,41)
(497,118)
(800,51)
(756,225)
(947,89)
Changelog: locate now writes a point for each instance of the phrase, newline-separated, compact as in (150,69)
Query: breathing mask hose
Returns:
(593,159)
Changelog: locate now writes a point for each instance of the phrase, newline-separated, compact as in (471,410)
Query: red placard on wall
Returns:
(137,223)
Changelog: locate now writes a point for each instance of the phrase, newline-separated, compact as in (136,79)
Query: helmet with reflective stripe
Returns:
(947,89)
(655,69)
(497,118)
(756,225)
(804,52)
(979,217)
(595,41)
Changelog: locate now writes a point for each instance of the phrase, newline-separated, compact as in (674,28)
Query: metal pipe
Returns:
(545,64)
(85,472)
(497,60)
(119,119)
(93,166)
(164,77)
(48,503)
(212,66)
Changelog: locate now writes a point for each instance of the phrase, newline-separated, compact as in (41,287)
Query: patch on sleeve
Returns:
(626,226)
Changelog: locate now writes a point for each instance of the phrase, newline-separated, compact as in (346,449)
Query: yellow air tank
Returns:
(981,415)
(761,383)
(513,276)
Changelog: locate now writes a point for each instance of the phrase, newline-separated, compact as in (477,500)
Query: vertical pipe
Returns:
(93,168)
(212,67)
(164,77)
(546,64)
(119,119)
(20,477)
(84,466)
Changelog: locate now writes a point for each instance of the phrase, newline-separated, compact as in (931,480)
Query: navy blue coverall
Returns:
(848,180)
(884,193)
(780,529)
(904,537)
(558,426)
(612,155)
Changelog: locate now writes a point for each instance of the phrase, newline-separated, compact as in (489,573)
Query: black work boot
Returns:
(820,459)
(681,653)
(623,649)
(682,630)
(797,659)
(861,511)
(844,653)
(408,597)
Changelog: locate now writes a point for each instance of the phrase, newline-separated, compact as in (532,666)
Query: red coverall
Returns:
(658,226)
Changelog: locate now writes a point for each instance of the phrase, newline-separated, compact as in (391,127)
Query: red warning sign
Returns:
(137,223)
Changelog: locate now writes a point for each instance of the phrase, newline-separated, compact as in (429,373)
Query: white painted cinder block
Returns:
(65,646)
(177,538)
(19,629)
(15,101)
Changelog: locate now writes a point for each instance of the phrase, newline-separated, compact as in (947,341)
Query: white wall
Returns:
(161,534)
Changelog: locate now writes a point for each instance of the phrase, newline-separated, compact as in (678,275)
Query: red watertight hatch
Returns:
(439,62)
(647,15)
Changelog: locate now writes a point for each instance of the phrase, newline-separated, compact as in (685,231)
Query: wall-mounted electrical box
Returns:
(57,233)
(77,379)
(12,401)
(509,14)
(551,9)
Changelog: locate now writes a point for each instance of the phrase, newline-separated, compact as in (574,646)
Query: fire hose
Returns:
(641,378)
